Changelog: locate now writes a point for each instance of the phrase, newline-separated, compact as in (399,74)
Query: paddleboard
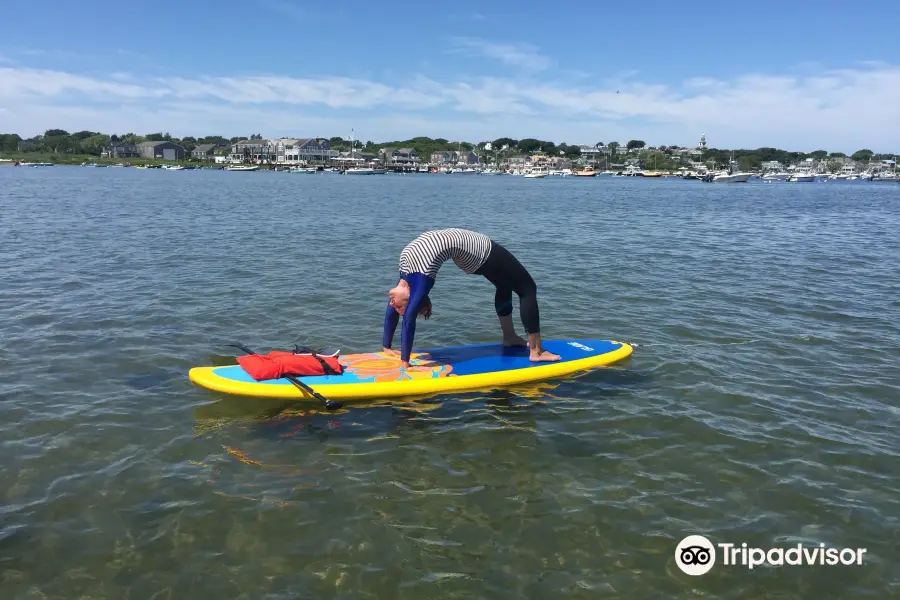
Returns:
(434,370)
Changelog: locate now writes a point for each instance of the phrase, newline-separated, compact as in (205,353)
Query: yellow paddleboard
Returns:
(436,370)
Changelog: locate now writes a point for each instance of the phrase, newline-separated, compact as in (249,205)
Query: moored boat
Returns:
(773,176)
(364,171)
(731,178)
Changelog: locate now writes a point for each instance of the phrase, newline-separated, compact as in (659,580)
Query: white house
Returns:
(283,150)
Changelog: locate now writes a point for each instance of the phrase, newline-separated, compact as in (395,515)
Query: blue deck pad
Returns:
(490,358)
(465,360)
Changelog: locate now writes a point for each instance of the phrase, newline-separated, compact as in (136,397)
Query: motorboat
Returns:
(725,177)
(364,171)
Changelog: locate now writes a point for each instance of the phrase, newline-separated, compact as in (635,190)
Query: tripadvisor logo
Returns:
(696,555)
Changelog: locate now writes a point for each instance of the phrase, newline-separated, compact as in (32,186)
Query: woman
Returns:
(475,254)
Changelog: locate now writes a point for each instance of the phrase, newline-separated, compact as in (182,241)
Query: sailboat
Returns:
(596,173)
(654,172)
(361,170)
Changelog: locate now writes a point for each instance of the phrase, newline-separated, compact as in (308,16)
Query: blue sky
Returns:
(794,75)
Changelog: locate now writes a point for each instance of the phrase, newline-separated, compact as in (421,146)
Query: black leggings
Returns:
(508,275)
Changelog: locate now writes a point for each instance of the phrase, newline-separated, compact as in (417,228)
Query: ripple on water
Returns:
(760,405)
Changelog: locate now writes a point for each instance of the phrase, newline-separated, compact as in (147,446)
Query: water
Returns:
(760,405)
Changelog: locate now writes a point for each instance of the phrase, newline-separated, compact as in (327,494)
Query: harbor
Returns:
(883,173)
(531,159)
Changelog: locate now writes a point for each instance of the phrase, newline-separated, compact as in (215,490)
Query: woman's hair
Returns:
(425,309)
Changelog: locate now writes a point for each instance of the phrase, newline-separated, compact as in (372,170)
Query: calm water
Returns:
(760,405)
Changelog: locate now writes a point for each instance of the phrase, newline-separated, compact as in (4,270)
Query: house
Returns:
(468,157)
(163,150)
(302,150)
(443,157)
(120,150)
(452,157)
(205,151)
(252,151)
(516,162)
(398,156)
(592,154)
(807,165)
(850,169)
(886,166)
(538,159)
(356,157)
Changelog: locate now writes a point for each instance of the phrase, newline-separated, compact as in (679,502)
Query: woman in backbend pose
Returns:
(475,254)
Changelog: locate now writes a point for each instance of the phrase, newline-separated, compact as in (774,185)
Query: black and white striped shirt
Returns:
(425,254)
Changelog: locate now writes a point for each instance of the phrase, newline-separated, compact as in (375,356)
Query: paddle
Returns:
(329,404)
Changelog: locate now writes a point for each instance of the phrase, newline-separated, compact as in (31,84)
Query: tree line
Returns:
(60,141)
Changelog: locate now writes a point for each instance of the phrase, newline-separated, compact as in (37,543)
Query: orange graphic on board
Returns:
(377,366)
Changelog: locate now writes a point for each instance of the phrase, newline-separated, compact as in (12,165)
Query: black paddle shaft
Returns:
(329,404)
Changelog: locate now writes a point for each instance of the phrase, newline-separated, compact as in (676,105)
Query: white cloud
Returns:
(840,110)
(523,56)
(25,83)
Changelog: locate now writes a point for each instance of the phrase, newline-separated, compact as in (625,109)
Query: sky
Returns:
(798,75)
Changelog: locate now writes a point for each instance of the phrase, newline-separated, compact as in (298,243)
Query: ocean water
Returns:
(760,406)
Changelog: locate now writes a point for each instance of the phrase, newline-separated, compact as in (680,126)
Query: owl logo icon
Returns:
(695,555)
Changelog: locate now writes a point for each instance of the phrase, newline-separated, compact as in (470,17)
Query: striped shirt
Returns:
(425,254)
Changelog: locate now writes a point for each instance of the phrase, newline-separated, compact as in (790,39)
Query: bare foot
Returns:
(514,340)
(543,356)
